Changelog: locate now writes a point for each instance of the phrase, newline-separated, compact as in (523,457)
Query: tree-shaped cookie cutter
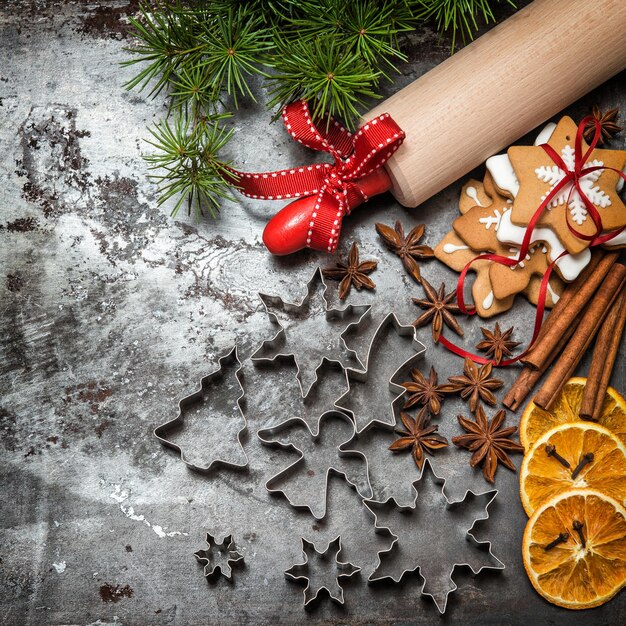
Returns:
(228,405)
(228,556)
(337,466)
(361,381)
(329,558)
(282,338)
(410,517)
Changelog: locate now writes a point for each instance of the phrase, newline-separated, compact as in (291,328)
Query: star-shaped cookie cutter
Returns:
(440,603)
(227,549)
(359,377)
(301,571)
(231,359)
(280,338)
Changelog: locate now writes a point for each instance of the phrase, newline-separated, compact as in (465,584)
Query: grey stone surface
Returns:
(110,312)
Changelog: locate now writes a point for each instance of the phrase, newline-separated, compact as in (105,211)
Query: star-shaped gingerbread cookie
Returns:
(537,174)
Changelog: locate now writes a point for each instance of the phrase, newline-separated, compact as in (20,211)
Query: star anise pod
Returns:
(419,436)
(406,248)
(424,391)
(352,273)
(475,384)
(608,125)
(488,441)
(439,309)
(497,344)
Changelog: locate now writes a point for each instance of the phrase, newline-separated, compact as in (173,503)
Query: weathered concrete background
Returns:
(111,312)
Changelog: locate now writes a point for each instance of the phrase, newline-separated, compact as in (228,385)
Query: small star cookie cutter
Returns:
(329,558)
(228,406)
(281,338)
(357,379)
(417,511)
(228,552)
(336,466)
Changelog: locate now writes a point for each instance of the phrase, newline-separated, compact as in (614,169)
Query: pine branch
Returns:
(324,72)
(187,157)
(456,16)
(237,43)
(167,39)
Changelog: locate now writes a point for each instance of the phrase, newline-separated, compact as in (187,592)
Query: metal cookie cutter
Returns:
(319,344)
(219,396)
(319,568)
(366,401)
(318,457)
(218,557)
(436,561)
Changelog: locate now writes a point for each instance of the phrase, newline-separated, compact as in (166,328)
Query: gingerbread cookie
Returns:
(553,292)
(478,228)
(473,193)
(507,281)
(537,174)
(456,254)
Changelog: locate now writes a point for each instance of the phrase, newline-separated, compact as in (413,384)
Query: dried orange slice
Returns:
(573,456)
(574,549)
(535,421)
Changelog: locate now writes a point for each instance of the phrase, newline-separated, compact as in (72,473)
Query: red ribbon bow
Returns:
(355,156)
(570,177)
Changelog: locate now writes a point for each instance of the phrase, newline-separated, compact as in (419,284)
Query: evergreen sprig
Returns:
(319,70)
(457,16)
(204,56)
(187,158)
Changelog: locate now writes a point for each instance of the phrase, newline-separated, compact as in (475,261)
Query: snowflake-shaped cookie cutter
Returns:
(439,599)
(199,397)
(328,557)
(332,315)
(359,379)
(342,451)
(228,552)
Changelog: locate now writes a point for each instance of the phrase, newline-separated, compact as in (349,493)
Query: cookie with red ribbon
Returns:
(478,228)
(570,211)
(456,254)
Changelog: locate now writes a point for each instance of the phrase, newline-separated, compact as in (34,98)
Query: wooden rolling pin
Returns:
(500,87)
(482,99)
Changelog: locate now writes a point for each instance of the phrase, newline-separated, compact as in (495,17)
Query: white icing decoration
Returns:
(553,175)
(449,248)
(489,221)
(620,182)
(569,266)
(502,171)
(545,134)
(503,174)
(555,296)
(472,192)
(618,240)
(488,301)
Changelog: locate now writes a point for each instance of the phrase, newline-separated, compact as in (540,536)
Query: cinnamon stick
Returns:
(600,361)
(572,302)
(582,337)
(529,375)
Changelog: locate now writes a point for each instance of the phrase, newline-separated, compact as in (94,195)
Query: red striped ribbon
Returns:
(355,156)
